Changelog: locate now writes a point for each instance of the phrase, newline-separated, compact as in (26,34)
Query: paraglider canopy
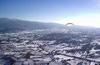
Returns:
(69,24)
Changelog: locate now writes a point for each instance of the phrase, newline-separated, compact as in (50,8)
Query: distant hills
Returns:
(13,25)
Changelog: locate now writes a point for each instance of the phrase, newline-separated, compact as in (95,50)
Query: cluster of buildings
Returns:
(25,48)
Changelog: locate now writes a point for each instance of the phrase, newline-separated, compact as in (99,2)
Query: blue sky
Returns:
(81,12)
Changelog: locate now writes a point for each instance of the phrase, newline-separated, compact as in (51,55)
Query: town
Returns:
(50,47)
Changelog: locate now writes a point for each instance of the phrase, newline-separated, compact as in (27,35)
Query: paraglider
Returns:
(69,24)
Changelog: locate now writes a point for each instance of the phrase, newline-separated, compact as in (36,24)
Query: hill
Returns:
(13,25)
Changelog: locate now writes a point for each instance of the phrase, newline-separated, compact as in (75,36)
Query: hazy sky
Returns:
(79,12)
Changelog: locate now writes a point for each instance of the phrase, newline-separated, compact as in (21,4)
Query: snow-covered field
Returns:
(50,47)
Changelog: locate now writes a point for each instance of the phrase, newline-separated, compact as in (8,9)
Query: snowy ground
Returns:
(49,47)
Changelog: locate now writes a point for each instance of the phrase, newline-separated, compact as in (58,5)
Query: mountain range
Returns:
(13,25)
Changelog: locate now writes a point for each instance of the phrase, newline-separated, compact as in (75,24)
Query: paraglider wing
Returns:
(69,24)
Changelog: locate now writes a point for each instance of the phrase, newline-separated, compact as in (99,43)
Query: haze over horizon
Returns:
(79,12)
